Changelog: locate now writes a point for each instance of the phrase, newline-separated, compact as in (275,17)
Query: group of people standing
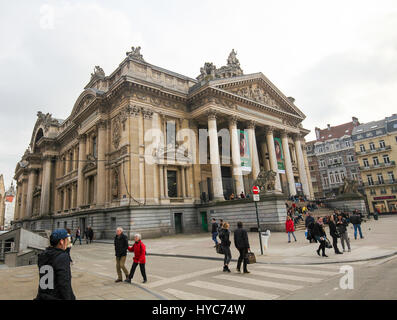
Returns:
(222,230)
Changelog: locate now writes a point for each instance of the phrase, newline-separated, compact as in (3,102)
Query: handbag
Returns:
(328,244)
(251,259)
(219,249)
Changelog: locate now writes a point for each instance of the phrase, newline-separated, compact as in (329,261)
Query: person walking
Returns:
(90,234)
(78,235)
(214,231)
(320,235)
(86,231)
(289,228)
(242,244)
(120,248)
(69,245)
(341,226)
(224,235)
(139,250)
(54,269)
(356,219)
(334,234)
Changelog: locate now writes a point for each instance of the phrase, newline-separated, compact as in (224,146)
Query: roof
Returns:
(369,126)
(336,132)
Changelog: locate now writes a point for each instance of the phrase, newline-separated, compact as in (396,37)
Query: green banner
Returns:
(278,146)
(245,155)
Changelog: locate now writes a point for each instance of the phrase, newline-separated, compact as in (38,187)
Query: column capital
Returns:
(82,138)
(269,130)
(211,114)
(101,124)
(284,133)
(297,137)
(252,124)
(233,120)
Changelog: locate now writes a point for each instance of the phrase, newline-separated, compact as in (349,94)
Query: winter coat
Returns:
(289,226)
(332,229)
(60,262)
(90,233)
(139,250)
(224,235)
(318,231)
(214,227)
(120,245)
(341,227)
(309,219)
(241,239)
(355,219)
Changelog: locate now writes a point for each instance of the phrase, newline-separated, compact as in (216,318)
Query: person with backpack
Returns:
(139,250)
(320,235)
(242,244)
(54,265)
(341,226)
(224,235)
(356,219)
(289,228)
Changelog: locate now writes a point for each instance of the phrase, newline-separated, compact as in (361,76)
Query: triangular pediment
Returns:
(258,88)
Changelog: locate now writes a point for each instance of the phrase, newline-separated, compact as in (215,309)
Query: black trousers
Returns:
(141,266)
(242,258)
(322,246)
(335,244)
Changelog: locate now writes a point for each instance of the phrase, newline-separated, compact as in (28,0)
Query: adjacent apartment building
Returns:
(376,149)
(331,158)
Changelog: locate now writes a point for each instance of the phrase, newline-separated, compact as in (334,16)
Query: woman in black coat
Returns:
(224,235)
(320,235)
(334,234)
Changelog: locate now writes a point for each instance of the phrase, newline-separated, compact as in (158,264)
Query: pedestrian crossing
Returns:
(264,282)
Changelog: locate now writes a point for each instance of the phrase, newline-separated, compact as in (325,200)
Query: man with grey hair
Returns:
(120,247)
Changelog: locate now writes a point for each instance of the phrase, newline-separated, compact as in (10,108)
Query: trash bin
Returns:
(265,238)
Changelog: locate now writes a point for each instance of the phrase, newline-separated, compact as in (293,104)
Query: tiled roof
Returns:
(336,132)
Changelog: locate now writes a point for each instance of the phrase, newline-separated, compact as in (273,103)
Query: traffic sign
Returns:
(255,190)
(256,197)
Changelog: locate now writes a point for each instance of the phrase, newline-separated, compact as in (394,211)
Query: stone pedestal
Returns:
(348,202)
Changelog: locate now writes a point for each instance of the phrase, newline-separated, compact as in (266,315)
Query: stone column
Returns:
(29,197)
(80,174)
(288,164)
(165,183)
(272,156)
(301,166)
(309,178)
(254,150)
(45,187)
(22,213)
(264,151)
(236,160)
(101,172)
(183,182)
(214,158)
(161,174)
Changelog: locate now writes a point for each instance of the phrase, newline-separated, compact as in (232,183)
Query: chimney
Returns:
(317,131)
(355,121)
(329,127)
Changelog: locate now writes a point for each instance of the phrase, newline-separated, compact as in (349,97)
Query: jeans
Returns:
(357,226)
(77,237)
(120,265)
(214,235)
(228,255)
(242,258)
(141,266)
(289,236)
(345,237)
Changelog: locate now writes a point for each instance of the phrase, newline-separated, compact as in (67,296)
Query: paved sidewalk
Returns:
(379,241)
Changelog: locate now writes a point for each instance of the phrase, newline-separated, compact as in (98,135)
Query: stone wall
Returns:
(348,205)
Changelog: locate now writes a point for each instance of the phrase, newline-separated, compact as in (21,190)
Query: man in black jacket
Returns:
(54,268)
(355,219)
(214,231)
(320,236)
(120,248)
(242,245)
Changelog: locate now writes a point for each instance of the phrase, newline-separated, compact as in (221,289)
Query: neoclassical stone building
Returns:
(101,167)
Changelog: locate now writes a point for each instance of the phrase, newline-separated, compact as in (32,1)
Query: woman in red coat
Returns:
(139,250)
(289,228)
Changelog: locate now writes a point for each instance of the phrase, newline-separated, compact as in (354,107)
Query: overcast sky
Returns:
(338,59)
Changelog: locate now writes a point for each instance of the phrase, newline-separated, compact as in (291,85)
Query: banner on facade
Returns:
(245,155)
(279,155)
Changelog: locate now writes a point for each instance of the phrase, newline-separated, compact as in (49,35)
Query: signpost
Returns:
(255,191)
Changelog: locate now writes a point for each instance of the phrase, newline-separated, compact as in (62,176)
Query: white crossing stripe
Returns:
(308,271)
(186,295)
(181,277)
(286,276)
(261,283)
(251,294)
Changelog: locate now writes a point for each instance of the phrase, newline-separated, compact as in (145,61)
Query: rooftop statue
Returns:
(98,71)
(135,53)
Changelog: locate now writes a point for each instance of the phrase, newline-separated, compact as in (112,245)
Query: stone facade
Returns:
(2,202)
(376,149)
(332,158)
(130,153)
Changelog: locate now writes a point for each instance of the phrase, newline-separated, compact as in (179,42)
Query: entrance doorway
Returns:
(178,222)
(82,225)
(204,221)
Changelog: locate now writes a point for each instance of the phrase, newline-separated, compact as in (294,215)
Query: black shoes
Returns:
(118,280)
(324,255)
(144,281)
(246,271)
(338,252)
(238,270)
(318,251)
(127,280)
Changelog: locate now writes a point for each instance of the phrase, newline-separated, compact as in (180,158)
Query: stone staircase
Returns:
(320,212)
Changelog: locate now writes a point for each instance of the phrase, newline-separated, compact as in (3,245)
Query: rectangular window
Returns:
(376,161)
(370,180)
(350,158)
(366,163)
(380,178)
(372,146)
(322,163)
(354,176)
(332,177)
(172,184)
(382,144)
(171,133)
(386,158)
(94,147)
(347,143)
(391,176)
(362,148)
